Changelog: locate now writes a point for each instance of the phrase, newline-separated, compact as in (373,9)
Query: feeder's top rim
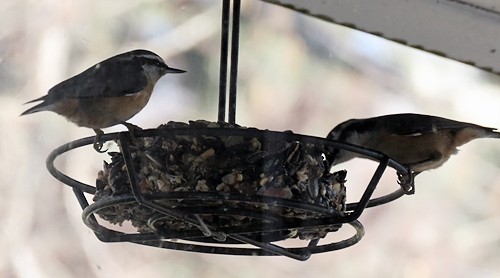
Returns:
(210,131)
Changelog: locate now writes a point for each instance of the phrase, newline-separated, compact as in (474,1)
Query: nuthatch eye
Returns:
(108,93)
(420,142)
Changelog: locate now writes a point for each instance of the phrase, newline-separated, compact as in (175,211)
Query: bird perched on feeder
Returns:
(420,142)
(108,93)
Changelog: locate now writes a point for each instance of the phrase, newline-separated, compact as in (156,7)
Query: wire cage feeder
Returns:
(222,189)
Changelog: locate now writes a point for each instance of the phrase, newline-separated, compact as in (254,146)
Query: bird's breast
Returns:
(102,112)
(427,151)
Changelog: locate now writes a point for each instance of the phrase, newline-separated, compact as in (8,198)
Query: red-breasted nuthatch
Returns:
(108,93)
(420,142)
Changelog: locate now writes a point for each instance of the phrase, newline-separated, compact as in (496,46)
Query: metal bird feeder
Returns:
(221,188)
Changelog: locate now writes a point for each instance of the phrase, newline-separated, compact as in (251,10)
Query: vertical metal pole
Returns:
(223,61)
(234,60)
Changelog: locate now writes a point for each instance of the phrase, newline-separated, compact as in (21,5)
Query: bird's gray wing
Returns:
(107,79)
(416,124)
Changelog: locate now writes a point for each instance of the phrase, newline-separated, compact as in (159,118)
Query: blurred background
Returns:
(295,73)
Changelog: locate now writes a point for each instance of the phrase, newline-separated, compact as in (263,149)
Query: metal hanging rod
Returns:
(224,55)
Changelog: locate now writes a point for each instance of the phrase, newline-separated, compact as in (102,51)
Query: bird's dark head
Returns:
(351,132)
(343,132)
(153,65)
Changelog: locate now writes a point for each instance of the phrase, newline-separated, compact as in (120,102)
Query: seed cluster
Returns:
(248,167)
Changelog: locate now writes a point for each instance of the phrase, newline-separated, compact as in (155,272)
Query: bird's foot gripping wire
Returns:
(407,182)
(132,129)
(98,144)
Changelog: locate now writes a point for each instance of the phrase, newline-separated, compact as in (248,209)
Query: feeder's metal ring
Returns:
(262,134)
(303,253)
(151,239)
(272,222)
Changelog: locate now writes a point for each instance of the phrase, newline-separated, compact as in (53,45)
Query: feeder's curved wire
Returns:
(163,241)
(261,134)
(49,163)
